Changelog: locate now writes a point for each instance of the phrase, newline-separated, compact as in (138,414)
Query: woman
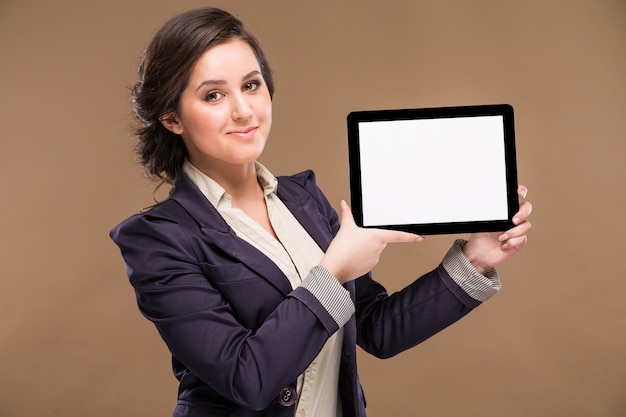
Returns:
(259,290)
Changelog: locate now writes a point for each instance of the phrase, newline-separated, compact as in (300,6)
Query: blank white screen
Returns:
(433,170)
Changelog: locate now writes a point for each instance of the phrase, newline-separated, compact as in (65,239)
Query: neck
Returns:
(240,181)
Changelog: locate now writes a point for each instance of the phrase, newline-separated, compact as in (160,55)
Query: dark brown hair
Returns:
(164,73)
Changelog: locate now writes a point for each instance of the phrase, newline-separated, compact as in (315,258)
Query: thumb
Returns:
(346,214)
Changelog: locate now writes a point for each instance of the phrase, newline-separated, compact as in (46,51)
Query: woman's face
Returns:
(225,112)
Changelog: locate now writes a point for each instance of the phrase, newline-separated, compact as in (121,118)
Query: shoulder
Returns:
(168,210)
(301,184)
(304,179)
(300,187)
(186,206)
(162,220)
(298,190)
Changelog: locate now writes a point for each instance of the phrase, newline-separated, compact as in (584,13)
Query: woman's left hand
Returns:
(487,250)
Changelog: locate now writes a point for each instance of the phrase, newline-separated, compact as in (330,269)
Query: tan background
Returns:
(553,343)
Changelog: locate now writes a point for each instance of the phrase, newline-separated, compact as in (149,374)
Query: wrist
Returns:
(333,269)
(476,261)
(479,286)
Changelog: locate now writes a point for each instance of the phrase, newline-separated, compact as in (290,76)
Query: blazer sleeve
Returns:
(389,324)
(199,326)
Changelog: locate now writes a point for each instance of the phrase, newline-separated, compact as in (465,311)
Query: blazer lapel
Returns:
(304,208)
(214,227)
(218,232)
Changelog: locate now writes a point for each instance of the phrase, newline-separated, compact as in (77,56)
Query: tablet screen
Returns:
(438,170)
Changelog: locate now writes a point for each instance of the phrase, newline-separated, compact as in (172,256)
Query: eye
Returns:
(213,96)
(251,85)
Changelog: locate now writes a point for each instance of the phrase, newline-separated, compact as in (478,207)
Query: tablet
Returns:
(434,170)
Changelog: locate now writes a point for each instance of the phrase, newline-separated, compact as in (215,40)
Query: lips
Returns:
(245,133)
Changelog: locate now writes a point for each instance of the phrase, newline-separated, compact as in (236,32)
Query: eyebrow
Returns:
(222,82)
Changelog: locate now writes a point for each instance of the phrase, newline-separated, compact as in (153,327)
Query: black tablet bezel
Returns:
(504,110)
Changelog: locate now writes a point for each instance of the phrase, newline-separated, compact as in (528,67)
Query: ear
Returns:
(171,122)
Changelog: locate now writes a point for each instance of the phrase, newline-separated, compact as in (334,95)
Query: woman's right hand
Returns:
(355,250)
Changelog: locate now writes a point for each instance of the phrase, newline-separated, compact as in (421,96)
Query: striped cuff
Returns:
(478,286)
(330,293)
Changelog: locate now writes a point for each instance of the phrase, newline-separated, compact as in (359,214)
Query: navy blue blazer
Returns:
(238,334)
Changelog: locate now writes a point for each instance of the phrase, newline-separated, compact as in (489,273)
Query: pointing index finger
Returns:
(396,236)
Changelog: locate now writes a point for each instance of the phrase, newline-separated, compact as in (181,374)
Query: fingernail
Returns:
(503,237)
(523,194)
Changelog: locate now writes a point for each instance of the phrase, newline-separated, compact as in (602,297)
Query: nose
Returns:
(241,108)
